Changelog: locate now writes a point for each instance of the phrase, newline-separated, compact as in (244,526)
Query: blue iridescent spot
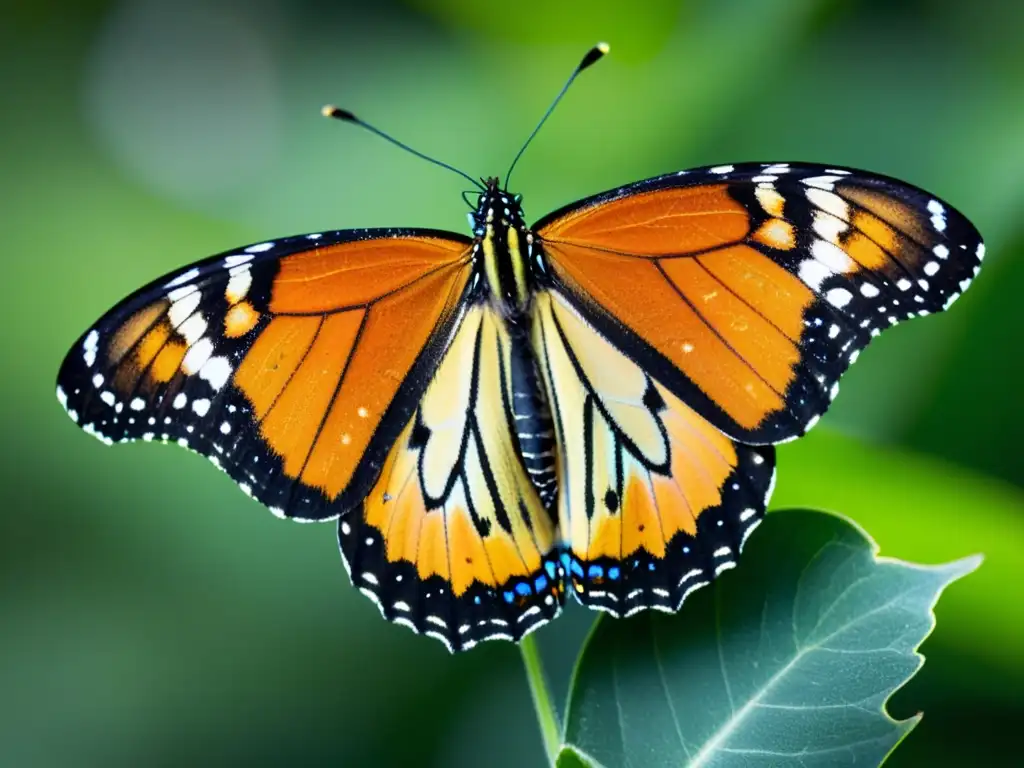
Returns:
(476,600)
(541,583)
(595,571)
(686,550)
(565,559)
(650,566)
(523,589)
(613,572)
(509,597)
(576,568)
(550,568)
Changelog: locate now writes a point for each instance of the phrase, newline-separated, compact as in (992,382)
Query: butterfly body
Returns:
(587,405)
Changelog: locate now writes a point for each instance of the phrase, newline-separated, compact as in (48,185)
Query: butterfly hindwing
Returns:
(748,290)
(454,540)
(291,365)
(654,500)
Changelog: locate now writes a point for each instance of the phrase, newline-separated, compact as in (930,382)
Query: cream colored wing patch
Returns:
(654,501)
(453,540)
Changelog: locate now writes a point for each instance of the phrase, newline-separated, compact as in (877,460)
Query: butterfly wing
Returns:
(654,501)
(292,365)
(453,540)
(747,290)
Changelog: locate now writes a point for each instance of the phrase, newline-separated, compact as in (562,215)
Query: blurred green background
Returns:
(151,614)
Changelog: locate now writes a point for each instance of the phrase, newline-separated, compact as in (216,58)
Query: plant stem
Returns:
(546,716)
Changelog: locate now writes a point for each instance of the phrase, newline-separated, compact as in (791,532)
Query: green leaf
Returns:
(923,509)
(788,659)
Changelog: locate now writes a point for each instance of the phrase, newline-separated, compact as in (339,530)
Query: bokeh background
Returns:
(150,614)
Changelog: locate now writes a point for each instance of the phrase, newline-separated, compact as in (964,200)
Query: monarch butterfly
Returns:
(588,404)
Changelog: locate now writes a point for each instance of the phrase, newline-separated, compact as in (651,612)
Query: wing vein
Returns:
(716,332)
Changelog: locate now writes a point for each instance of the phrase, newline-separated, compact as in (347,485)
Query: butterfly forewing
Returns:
(291,365)
(747,290)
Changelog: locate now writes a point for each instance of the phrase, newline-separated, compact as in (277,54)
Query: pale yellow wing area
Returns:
(654,501)
(453,539)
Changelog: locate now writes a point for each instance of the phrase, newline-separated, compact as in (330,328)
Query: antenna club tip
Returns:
(593,55)
(329,110)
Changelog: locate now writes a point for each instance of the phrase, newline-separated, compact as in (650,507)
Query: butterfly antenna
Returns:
(592,57)
(345,116)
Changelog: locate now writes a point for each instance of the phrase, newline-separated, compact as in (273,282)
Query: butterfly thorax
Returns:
(503,248)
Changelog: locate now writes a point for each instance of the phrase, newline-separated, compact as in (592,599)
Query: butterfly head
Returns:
(504,246)
(497,207)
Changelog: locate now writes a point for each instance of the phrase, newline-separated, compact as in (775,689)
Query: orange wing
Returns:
(748,290)
(453,540)
(654,501)
(292,365)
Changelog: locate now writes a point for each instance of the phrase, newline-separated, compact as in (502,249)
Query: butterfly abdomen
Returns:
(533,427)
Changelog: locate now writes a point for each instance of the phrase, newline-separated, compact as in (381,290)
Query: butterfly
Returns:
(586,405)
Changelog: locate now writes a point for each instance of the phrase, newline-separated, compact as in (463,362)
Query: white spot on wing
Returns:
(238,286)
(722,169)
(193,328)
(180,293)
(832,256)
(829,202)
(869,290)
(89,347)
(217,370)
(183,307)
(931,268)
(201,406)
(260,247)
(197,356)
(838,297)
(828,227)
(813,273)
(184,277)
(821,182)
